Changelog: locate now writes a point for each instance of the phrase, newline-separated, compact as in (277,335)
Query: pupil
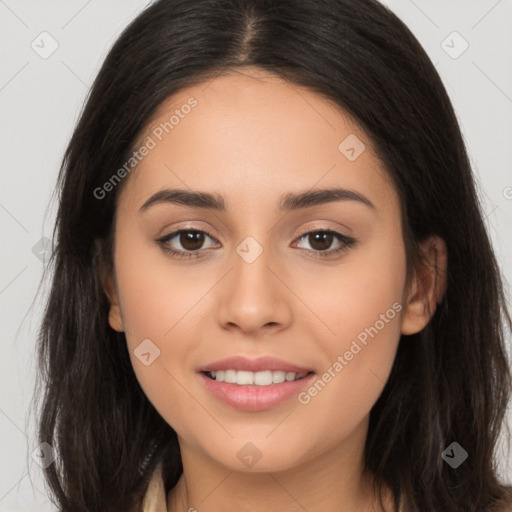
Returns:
(191,240)
(322,237)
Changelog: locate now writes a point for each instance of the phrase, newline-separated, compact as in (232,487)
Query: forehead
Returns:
(250,132)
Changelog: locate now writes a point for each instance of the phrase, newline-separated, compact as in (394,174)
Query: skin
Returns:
(251,138)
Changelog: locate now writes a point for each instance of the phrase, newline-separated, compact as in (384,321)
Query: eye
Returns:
(190,239)
(321,240)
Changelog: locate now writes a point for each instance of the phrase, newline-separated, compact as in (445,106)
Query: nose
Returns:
(253,296)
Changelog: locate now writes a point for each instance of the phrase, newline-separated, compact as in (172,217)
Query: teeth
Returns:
(278,377)
(244,378)
(263,378)
(230,376)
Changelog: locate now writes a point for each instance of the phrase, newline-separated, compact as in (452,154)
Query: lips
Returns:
(254,365)
(263,395)
(254,398)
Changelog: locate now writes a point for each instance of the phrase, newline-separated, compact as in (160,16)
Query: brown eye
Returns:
(191,240)
(320,240)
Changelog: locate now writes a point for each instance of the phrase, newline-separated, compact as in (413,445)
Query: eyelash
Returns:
(346,241)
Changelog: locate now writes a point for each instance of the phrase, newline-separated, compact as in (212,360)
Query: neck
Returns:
(331,481)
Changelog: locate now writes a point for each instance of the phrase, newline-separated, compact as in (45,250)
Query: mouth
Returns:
(260,378)
(254,391)
(254,384)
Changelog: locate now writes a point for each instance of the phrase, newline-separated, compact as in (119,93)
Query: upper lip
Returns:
(253,365)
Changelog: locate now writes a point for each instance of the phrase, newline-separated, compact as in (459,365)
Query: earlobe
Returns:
(106,279)
(114,316)
(428,286)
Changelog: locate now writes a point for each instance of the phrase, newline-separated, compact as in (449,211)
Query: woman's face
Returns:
(262,285)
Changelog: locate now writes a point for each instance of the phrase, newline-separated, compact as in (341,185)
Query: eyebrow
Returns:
(288,202)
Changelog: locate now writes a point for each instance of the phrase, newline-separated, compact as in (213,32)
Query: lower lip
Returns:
(255,398)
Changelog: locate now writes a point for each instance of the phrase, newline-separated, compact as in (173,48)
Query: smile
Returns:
(255,397)
(261,378)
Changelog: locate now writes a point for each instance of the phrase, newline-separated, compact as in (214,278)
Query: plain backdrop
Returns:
(50,53)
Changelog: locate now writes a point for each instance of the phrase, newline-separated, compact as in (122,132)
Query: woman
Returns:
(273,288)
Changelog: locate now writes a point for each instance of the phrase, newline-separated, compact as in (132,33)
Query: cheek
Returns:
(362,308)
(353,295)
(155,293)
(157,305)
(156,318)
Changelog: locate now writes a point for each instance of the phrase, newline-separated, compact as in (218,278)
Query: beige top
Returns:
(155,498)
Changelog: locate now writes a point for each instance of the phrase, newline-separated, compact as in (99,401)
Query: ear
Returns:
(428,286)
(114,315)
(108,284)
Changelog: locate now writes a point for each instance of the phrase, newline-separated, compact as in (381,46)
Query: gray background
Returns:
(41,99)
